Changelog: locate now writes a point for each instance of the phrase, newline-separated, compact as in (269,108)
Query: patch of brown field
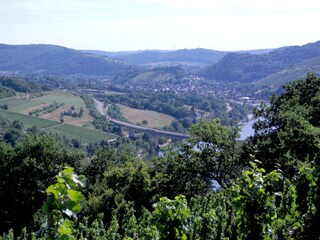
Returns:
(84,120)
(155,119)
(26,111)
(56,115)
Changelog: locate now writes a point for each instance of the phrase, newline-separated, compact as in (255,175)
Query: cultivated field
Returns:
(154,119)
(79,128)
(27,103)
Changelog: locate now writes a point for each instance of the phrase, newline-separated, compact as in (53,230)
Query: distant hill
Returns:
(56,60)
(188,59)
(202,56)
(199,55)
(246,67)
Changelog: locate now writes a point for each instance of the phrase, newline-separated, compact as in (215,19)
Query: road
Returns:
(102,111)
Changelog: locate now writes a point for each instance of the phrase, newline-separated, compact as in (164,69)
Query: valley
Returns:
(153,89)
(159,120)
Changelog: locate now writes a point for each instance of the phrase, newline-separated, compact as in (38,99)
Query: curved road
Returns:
(102,111)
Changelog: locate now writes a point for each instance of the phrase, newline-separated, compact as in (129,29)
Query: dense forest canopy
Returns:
(214,187)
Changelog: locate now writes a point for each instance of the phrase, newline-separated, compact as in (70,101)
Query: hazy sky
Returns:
(115,25)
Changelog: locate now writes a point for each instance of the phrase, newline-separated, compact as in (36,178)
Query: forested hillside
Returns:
(214,187)
(55,60)
(18,84)
(246,67)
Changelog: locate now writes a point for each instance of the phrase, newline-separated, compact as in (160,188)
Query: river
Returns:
(247,130)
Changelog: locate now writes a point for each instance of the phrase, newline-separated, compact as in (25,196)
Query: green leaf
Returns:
(74,195)
(51,189)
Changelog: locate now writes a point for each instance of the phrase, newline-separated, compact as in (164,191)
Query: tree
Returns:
(128,181)
(214,151)
(80,113)
(12,136)
(208,160)
(4,106)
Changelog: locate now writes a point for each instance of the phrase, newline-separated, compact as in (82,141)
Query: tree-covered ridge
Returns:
(246,67)
(55,60)
(199,56)
(213,187)
(18,84)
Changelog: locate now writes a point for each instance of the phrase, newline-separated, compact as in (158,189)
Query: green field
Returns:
(155,119)
(82,134)
(28,121)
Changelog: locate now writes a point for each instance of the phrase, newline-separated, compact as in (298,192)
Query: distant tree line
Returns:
(72,113)
(18,84)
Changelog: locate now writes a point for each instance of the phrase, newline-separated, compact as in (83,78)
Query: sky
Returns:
(127,25)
